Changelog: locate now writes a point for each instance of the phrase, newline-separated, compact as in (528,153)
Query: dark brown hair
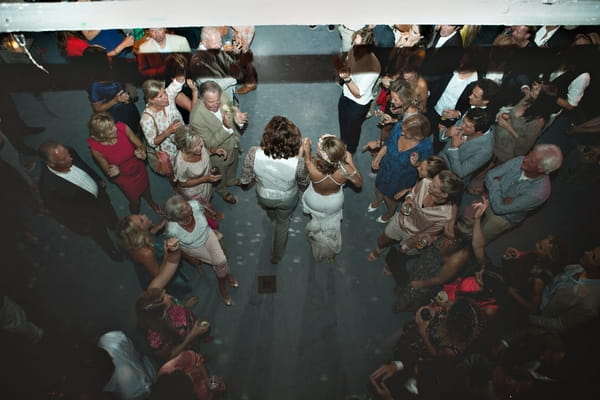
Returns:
(281,138)
(175,65)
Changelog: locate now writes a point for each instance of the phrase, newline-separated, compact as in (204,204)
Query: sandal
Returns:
(371,209)
(374,255)
(386,271)
(228,197)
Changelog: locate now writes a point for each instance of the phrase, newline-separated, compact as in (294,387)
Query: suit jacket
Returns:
(437,88)
(213,64)
(72,206)
(561,38)
(454,41)
(471,155)
(205,124)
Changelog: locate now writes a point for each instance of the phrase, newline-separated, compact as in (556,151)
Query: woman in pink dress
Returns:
(119,153)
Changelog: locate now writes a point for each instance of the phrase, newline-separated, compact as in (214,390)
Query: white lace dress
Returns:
(324,229)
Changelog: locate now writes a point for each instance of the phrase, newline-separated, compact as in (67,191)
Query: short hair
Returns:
(452,185)
(46,147)
(481,118)
(175,65)
(550,157)
(100,126)
(130,237)
(174,208)
(435,165)
(505,39)
(209,86)
(281,138)
(207,31)
(490,88)
(185,138)
(335,149)
(151,88)
(417,125)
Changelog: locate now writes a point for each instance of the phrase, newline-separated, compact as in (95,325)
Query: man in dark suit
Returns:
(444,50)
(76,195)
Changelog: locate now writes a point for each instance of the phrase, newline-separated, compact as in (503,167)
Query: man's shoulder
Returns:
(147,47)
(177,40)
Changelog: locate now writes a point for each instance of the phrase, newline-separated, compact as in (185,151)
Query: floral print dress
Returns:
(181,319)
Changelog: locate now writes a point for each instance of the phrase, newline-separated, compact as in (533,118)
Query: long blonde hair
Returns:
(130,237)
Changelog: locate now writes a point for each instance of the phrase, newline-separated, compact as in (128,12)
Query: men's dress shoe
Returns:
(246,88)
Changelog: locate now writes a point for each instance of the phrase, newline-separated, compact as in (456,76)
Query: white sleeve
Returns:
(365,82)
(577,88)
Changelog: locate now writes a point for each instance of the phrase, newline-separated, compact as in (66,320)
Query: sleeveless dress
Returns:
(395,170)
(184,171)
(133,177)
(324,229)
(178,286)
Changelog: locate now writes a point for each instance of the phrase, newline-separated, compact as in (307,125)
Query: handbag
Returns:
(159,160)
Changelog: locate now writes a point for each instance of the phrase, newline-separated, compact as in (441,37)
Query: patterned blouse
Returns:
(181,319)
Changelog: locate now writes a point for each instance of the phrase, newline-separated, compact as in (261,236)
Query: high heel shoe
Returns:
(223,290)
(232,282)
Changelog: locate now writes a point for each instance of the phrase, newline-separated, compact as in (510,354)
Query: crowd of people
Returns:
(471,132)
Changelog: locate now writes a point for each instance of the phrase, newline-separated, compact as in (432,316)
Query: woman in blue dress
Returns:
(106,94)
(396,161)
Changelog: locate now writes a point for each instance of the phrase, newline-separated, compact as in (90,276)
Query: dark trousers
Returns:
(434,120)
(351,116)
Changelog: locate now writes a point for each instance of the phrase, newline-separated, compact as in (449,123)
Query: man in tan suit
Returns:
(218,121)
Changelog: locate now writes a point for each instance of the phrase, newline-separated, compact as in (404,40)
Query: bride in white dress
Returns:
(328,170)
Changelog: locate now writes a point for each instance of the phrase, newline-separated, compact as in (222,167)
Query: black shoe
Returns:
(331,28)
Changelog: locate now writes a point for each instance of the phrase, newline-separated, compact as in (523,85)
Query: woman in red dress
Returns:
(120,154)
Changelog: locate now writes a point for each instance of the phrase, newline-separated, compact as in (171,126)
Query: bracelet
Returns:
(348,80)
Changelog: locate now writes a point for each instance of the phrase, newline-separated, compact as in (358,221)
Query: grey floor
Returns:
(328,325)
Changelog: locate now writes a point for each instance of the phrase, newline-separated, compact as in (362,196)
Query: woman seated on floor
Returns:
(528,273)
(427,210)
(436,265)
(138,237)
(169,326)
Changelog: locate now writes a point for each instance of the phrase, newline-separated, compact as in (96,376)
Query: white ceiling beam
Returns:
(15,17)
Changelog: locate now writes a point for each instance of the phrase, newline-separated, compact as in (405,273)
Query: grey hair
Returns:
(174,208)
(207,31)
(209,86)
(551,157)
(151,88)
(185,138)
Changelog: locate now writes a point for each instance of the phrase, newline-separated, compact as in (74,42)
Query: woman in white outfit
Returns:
(328,171)
(188,224)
